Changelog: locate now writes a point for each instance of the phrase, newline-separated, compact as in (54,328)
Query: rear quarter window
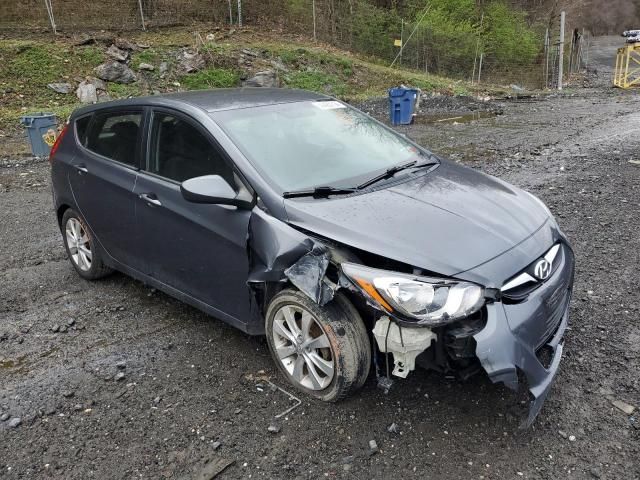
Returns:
(115,135)
(81,129)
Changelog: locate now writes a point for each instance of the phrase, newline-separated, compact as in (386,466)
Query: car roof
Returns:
(215,100)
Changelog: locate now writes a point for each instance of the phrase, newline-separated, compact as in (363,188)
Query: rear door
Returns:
(197,249)
(102,178)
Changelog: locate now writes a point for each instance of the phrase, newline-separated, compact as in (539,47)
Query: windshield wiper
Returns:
(319,192)
(388,173)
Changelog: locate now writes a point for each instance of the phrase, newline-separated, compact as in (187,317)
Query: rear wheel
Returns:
(323,351)
(81,248)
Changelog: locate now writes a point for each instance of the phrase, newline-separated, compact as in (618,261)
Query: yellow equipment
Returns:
(627,72)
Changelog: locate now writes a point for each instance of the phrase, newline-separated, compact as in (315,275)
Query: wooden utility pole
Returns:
(561,52)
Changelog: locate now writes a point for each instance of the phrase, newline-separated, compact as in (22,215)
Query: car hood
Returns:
(447,221)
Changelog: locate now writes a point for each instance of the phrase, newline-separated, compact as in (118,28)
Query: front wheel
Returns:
(323,351)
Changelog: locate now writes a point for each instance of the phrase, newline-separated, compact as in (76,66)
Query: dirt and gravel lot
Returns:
(114,380)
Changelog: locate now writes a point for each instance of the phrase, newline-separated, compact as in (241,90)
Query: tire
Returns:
(86,260)
(338,332)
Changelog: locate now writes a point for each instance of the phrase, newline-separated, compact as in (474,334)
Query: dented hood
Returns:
(447,221)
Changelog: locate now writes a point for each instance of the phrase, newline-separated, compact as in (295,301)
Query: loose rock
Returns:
(625,407)
(62,87)
(267,79)
(146,66)
(115,72)
(373,447)
(14,422)
(191,62)
(117,54)
(273,428)
(124,44)
(4,417)
(86,93)
(119,376)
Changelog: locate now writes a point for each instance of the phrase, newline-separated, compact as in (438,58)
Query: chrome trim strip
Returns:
(524,277)
(550,256)
(516,282)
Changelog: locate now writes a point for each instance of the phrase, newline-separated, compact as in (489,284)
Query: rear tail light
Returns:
(54,149)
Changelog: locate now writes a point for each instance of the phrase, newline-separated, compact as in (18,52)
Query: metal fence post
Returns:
(546,55)
(49,7)
(313,10)
(141,14)
(561,52)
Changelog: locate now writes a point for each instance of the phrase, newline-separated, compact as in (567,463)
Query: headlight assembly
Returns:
(430,301)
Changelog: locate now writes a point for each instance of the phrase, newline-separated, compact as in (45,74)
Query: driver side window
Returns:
(179,151)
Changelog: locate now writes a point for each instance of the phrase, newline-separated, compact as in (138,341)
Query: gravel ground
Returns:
(114,380)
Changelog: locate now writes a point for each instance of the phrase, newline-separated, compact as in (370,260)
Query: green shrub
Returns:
(210,78)
(149,56)
(316,81)
(88,56)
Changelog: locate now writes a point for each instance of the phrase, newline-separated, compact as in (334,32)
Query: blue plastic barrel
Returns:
(39,126)
(402,103)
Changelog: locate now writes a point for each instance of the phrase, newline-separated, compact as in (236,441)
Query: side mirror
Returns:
(215,190)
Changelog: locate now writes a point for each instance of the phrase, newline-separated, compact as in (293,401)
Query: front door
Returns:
(103,176)
(197,249)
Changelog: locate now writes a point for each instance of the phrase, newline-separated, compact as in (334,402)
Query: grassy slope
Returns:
(29,65)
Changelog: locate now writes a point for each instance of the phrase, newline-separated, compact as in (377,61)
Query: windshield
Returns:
(309,144)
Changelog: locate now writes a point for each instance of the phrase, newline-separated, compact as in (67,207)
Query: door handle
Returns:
(150,198)
(81,169)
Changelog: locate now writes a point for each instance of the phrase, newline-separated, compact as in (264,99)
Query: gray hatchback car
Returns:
(292,214)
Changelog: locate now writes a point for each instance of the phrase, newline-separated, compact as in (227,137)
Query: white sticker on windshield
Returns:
(330,105)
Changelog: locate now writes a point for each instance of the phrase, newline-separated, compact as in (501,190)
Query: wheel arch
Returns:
(60,212)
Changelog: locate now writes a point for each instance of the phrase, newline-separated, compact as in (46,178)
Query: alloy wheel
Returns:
(78,243)
(303,347)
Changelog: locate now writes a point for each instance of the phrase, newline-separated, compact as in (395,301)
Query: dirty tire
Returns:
(348,338)
(97,269)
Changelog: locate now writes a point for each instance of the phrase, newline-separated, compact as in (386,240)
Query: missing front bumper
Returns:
(502,354)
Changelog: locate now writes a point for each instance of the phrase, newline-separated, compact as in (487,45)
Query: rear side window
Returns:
(81,129)
(115,136)
(179,151)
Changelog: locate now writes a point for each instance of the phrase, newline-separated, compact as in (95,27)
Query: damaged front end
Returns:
(525,329)
(514,330)
(455,326)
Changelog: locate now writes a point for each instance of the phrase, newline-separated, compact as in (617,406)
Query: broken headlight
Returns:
(431,301)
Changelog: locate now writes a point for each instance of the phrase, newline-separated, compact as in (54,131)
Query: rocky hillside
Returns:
(41,74)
